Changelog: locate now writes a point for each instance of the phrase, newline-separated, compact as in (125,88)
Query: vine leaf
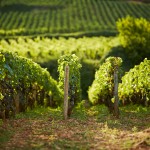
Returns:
(6,66)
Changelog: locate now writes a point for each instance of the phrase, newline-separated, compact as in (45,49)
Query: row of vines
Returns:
(134,86)
(24,84)
(97,16)
(85,48)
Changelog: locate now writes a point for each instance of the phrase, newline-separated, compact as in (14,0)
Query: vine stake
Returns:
(66,87)
(116,107)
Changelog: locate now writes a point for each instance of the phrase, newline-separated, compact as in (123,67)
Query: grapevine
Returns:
(25,81)
(135,86)
(102,88)
(74,77)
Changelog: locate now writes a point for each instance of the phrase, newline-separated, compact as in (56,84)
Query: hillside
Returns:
(66,18)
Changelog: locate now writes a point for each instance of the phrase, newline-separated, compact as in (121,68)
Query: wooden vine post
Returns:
(66,87)
(116,98)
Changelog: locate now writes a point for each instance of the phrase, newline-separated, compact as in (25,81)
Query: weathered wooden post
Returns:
(66,87)
(116,98)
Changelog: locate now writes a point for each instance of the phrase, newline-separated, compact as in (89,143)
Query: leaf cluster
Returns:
(101,90)
(74,75)
(134,34)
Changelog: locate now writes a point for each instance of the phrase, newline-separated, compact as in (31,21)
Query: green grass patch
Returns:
(41,112)
(5,134)
(132,117)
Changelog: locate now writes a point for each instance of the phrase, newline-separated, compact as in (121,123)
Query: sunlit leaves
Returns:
(135,86)
(66,18)
(22,77)
(43,49)
(134,35)
(102,87)
(1,96)
(74,75)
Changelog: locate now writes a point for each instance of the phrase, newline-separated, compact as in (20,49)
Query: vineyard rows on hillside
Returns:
(74,71)
(57,17)
(45,48)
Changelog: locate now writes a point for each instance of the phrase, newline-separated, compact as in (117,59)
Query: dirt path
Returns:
(72,134)
(80,132)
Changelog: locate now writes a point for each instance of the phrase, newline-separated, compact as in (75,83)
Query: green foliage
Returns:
(102,88)
(25,81)
(135,36)
(41,49)
(65,18)
(74,76)
(135,86)
(46,51)
(87,75)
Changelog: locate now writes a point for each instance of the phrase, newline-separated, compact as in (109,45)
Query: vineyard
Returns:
(46,51)
(66,18)
(74,71)
(22,85)
(45,48)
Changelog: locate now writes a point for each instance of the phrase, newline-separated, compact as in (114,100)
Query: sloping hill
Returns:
(66,18)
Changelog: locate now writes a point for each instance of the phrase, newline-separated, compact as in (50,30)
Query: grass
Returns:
(89,127)
(5,135)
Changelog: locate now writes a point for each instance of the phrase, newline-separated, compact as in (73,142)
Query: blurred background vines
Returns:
(134,35)
(66,18)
